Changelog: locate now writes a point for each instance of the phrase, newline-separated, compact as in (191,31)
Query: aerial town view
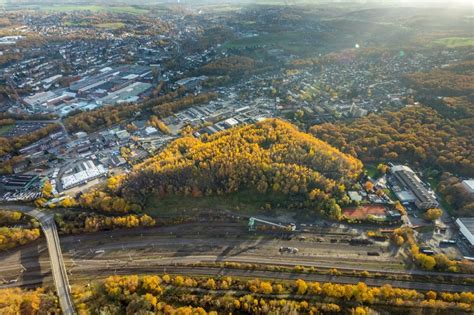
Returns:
(236,157)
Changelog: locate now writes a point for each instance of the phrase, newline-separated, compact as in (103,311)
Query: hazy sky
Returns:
(447,3)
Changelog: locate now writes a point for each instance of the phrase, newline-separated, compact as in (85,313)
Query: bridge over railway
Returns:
(58,268)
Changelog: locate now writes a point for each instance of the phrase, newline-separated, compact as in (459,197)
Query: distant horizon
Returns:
(436,3)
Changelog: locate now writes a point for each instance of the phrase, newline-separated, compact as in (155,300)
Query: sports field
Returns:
(363,212)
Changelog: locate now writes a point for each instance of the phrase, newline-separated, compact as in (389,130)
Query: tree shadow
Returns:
(31,275)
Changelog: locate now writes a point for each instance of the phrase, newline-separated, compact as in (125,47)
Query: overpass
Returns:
(58,269)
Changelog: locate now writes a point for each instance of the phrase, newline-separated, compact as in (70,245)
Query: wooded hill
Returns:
(269,156)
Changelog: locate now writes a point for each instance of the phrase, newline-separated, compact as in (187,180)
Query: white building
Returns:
(150,130)
(80,135)
(410,182)
(231,122)
(466,227)
(468,185)
(355,196)
(88,171)
(39,98)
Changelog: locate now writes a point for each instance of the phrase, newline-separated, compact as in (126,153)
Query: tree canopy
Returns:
(418,135)
(269,156)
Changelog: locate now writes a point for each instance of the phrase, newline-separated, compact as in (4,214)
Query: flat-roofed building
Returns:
(19,182)
(355,196)
(39,98)
(466,227)
(86,171)
(129,93)
(410,181)
(231,122)
(468,185)
(191,83)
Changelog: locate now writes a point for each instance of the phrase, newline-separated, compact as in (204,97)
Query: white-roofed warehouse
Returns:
(87,171)
(466,227)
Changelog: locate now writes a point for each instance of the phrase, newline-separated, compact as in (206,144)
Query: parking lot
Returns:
(23,127)
(20,196)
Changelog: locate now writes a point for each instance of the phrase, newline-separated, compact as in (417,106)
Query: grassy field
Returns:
(82,23)
(5,129)
(245,202)
(453,42)
(111,26)
(290,41)
(94,8)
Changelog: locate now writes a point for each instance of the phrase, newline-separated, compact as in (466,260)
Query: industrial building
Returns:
(85,171)
(109,85)
(413,187)
(39,98)
(466,228)
(191,83)
(19,182)
(129,93)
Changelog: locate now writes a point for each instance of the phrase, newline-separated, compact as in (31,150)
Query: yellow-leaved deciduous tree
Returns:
(99,222)
(190,282)
(433,214)
(431,295)
(152,284)
(10,216)
(382,168)
(160,125)
(400,208)
(68,202)
(130,292)
(224,285)
(179,281)
(411,134)
(112,286)
(166,278)
(331,308)
(266,287)
(12,237)
(269,155)
(444,263)
(301,286)
(22,301)
(31,304)
(426,262)
(114,182)
(150,298)
(278,288)
(236,304)
(314,288)
(146,220)
(211,284)
(398,239)
(359,310)
(47,189)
